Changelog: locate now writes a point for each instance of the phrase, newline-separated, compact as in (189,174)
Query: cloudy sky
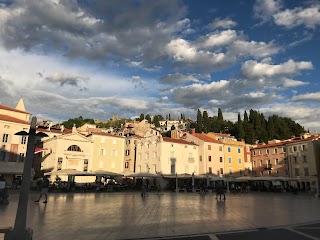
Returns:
(100,58)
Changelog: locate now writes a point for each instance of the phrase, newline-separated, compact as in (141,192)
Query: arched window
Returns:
(74,148)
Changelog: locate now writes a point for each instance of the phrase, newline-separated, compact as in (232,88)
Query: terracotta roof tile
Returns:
(11,109)
(167,139)
(105,134)
(205,138)
(269,145)
(12,119)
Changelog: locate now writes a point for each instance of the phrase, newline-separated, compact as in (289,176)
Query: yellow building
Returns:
(108,152)
(234,153)
(13,148)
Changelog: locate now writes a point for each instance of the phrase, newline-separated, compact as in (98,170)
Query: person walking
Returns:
(44,189)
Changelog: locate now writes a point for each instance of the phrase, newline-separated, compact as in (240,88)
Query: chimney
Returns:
(192,131)
(62,128)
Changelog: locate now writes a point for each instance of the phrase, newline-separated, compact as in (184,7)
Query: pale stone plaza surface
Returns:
(127,215)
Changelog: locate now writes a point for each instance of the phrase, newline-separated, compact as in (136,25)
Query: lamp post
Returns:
(20,232)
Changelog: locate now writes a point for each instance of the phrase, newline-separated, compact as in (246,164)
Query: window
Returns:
(230,160)
(101,152)
(295,159)
(155,167)
(220,148)
(221,170)
(239,150)
(230,171)
(304,159)
(259,152)
(23,139)
(275,151)
(267,151)
(74,148)
(286,172)
(21,157)
(294,148)
(126,165)
(269,173)
(303,147)
(277,173)
(6,126)
(154,154)
(5,137)
(260,163)
(254,153)
(200,158)
(296,171)
(220,159)
(306,171)
(276,161)
(147,155)
(127,152)
(209,147)
(209,159)
(254,163)
(261,173)
(229,149)
(283,149)
(285,161)
(240,171)
(148,145)
(85,165)
(210,169)
(59,165)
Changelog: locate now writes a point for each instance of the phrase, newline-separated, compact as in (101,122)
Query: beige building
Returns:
(148,153)
(178,156)
(303,157)
(108,152)
(210,155)
(68,151)
(13,148)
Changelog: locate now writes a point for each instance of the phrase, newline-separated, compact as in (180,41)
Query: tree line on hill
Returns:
(251,127)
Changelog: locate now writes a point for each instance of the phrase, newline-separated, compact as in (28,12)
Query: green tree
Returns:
(199,127)
(156,121)
(205,120)
(141,117)
(148,118)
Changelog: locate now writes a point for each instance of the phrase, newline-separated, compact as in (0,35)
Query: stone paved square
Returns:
(126,215)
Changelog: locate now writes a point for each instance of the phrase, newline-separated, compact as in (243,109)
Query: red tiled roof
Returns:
(269,145)
(54,130)
(11,109)
(205,138)
(167,139)
(12,119)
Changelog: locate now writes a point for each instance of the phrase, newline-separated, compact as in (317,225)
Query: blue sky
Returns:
(102,58)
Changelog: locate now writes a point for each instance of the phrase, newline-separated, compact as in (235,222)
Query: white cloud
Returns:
(218,39)
(253,69)
(192,95)
(293,83)
(253,48)
(307,97)
(178,78)
(264,9)
(222,23)
(308,17)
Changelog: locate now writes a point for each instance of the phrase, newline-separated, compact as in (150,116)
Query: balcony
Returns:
(191,160)
(267,166)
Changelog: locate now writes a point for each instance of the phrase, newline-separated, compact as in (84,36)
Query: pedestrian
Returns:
(44,189)
(160,192)
(220,191)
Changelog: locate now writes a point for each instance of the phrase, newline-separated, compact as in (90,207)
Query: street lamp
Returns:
(20,232)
